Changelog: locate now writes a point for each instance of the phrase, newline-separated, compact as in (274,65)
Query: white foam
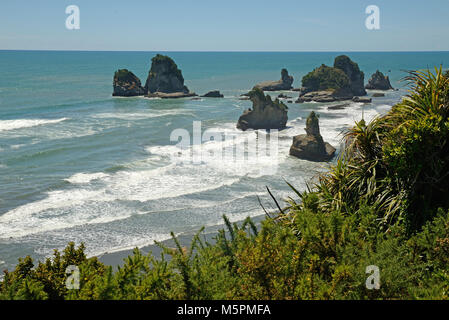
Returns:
(101,203)
(80,178)
(6,125)
(142,115)
(17,146)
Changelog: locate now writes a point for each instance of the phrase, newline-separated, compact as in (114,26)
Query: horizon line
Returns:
(228,51)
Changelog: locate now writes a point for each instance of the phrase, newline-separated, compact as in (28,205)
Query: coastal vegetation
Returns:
(383,202)
(325,78)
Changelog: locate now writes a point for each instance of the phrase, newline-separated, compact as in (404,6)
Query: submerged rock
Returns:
(265,114)
(378,95)
(310,146)
(338,106)
(284,84)
(379,82)
(325,96)
(213,94)
(127,84)
(362,99)
(165,80)
(173,95)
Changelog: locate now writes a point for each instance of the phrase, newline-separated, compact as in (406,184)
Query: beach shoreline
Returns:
(117,258)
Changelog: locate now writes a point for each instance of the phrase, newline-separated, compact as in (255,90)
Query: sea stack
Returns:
(265,114)
(310,146)
(165,80)
(379,82)
(352,70)
(284,84)
(127,84)
(343,81)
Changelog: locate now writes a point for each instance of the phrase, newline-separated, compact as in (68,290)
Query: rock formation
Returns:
(165,80)
(310,146)
(379,82)
(127,84)
(343,81)
(265,114)
(362,99)
(351,69)
(325,84)
(284,84)
(213,94)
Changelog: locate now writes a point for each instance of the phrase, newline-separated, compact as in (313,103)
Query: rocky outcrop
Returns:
(265,114)
(213,94)
(127,84)
(343,81)
(362,99)
(310,146)
(325,84)
(284,84)
(352,70)
(325,96)
(379,82)
(165,80)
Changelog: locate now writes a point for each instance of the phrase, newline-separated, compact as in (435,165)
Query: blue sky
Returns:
(230,25)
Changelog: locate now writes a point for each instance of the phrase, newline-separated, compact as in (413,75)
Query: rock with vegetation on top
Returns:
(265,114)
(165,80)
(310,146)
(127,84)
(379,81)
(343,81)
(284,84)
(352,70)
(213,94)
(325,84)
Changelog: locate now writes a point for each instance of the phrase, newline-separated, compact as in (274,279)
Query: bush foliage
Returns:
(326,78)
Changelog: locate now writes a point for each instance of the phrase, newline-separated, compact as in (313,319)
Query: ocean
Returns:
(77,164)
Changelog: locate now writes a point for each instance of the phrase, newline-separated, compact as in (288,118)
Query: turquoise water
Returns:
(78,165)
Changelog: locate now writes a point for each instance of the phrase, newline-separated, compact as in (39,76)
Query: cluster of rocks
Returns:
(343,81)
(310,146)
(164,80)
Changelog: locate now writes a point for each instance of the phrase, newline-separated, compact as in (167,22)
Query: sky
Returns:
(225,25)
